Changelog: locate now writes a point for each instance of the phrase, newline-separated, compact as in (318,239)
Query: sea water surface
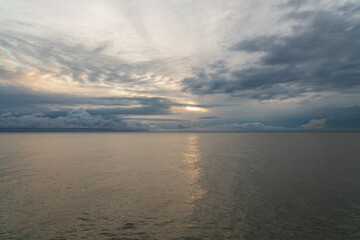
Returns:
(180,186)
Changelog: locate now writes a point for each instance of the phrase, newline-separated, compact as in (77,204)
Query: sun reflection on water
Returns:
(193,169)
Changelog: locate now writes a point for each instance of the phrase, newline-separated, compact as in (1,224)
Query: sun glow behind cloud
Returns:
(196,109)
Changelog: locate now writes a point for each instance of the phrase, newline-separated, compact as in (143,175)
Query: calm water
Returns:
(180,186)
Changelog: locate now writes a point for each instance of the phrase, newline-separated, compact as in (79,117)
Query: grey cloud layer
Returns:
(15,98)
(321,54)
(75,119)
(24,108)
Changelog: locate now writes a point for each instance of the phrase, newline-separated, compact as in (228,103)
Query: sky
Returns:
(179,65)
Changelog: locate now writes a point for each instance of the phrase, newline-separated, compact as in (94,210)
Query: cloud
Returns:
(314,124)
(72,120)
(17,98)
(144,110)
(295,3)
(250,126)
(321,54)
(342,118)
(34,58)
(229,127)
(208,117)
(24,108)
(242,126)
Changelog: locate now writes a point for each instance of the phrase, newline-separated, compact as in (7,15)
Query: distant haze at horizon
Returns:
(180,66)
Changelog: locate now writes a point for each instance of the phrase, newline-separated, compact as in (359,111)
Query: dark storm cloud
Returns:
(321,54)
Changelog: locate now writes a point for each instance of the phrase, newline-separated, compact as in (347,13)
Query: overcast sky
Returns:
(180,65)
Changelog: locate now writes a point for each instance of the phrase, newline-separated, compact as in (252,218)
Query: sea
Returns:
(259,186)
